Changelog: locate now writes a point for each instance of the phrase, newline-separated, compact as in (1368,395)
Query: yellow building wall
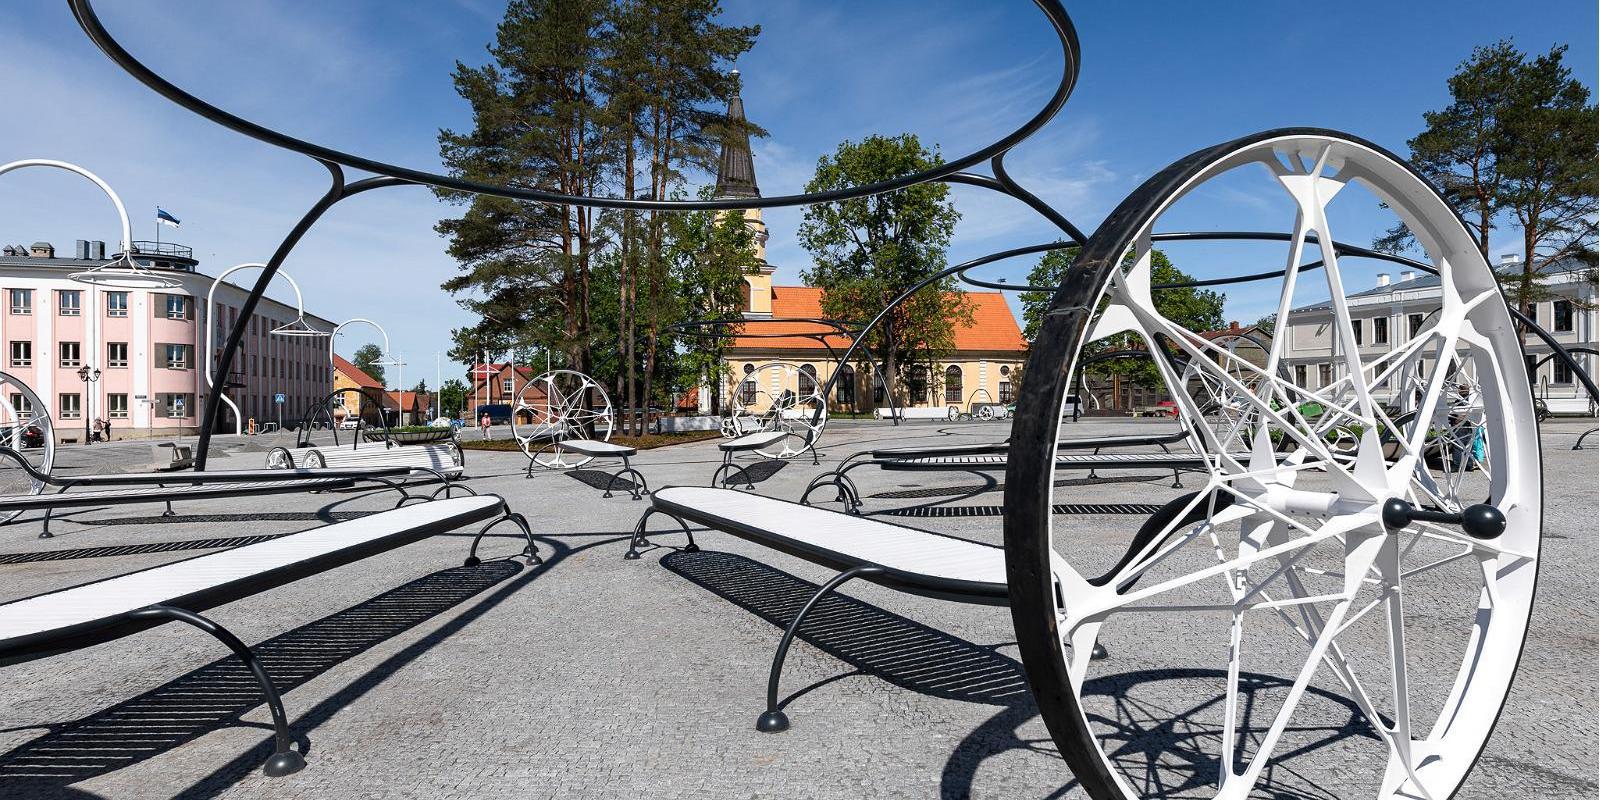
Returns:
(978,372)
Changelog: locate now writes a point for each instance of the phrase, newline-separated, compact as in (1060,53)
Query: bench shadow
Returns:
(759,471)
(1181,736)
(219,694)
(600,480)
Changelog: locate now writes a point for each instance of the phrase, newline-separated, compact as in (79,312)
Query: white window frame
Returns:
(26,296)
(75,309)
(112,310)
(77,401)
(61,354)
(112,362)
(112,412)
(25,361)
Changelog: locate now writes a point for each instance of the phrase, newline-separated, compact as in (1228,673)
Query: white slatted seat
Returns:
(748,443)
(997,461)
(594,448)
(92,613)
(910,560)
(443,461)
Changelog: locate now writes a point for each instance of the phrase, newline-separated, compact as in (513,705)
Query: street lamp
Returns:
(88,375)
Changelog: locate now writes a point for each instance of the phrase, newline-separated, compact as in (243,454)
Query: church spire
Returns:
(736,171)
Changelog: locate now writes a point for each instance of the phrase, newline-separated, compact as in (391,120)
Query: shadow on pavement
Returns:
(1181,736)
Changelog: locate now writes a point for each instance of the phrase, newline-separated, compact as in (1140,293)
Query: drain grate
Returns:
(1131,509)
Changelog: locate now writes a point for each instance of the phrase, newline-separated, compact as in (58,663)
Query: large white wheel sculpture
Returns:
(562,404)
(26,430)
(1388,559)
(1221,388)
(780,403)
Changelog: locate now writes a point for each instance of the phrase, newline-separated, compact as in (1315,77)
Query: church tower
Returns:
(736,178)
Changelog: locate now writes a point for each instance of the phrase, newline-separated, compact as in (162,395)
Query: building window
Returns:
(807,380)
(952,384)
(22,301)
(117,406)
(1300,374)
(70,406)
(1414,321)
(20,405)
(175,356)
(917,386)
(1324,375)
(747,296)
(69,302)
(22,354)
(1355,328)
(116,304)
(176,406)
(1563,371)
(177,306)
(1563,312)
(71,355)
(116,354)
(1531,311)
(846,390)
(1380,330)
(506,386)
(747,387)
(1006,394)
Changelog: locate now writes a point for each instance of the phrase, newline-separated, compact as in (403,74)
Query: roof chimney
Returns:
(9,250)
(81,247)
(1406,275)
(97,250)
(1383,279)
(43,250)
(1233,325)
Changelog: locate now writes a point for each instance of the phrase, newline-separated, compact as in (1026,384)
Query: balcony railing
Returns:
(162,249)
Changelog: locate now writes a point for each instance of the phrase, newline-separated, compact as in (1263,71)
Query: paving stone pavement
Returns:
(410,676)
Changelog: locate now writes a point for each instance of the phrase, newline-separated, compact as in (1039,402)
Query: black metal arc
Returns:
(1053,11)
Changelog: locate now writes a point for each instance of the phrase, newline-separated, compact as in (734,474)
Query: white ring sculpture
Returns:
(567,411)
(14,425)
(297,328)
(123,273)
(777,407)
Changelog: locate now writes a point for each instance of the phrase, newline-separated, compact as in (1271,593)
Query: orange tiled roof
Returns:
(993,327)
(355,373)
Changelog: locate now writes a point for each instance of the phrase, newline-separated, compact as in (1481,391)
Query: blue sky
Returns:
(1159,80)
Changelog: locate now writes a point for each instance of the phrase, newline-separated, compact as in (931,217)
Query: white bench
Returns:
(906,559)
(748,443)
(443,462)
(593,449)
(100,611)
(913,412)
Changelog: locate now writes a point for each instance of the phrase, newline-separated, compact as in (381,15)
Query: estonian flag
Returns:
(164,218)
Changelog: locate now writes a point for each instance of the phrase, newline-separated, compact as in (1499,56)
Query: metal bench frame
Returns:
(575,446)
(904,458)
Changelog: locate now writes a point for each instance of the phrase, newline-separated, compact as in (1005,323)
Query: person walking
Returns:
(484,422)
(99,430)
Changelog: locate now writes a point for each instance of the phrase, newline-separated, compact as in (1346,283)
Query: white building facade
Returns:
(146,344)
(1390,314)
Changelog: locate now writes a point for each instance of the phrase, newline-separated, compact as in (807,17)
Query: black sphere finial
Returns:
(1483,521)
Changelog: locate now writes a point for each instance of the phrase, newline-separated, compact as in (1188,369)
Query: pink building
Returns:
(146,344)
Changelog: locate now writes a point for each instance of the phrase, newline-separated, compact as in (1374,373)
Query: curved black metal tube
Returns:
(339,190)
(1053,11)
(773,719)
(303,437)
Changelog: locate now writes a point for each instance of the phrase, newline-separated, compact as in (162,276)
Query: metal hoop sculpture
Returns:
(778,402)
(568,409)
(1293,535)
(326,407)
(123,272)
(29,434)
(297,328)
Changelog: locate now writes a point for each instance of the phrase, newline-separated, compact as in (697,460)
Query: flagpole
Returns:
(158,230)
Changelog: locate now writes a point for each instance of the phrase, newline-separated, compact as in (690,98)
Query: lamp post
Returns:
(88,375)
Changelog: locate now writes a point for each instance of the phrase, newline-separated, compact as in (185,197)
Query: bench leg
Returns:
(638,539)
(284,760)
(531,551)
(627,471)
(773,720)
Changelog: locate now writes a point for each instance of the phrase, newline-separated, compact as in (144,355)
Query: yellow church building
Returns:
(771,356)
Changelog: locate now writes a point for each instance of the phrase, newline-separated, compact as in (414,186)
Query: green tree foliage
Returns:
(369,359)
(868,250)
(1516,144)
(453,398)
(584,97)
(710,253)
